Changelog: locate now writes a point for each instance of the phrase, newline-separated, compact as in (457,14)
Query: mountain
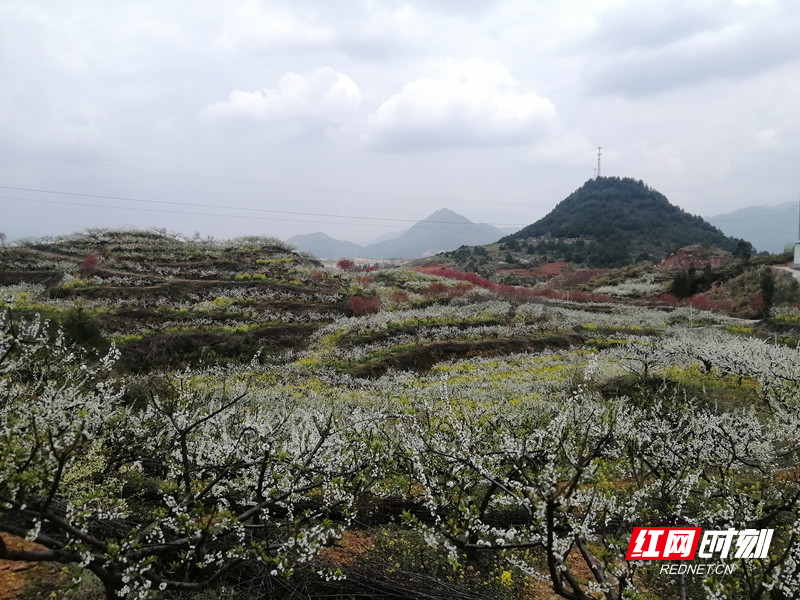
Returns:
(385,237)
(613,221)
(768,228)
(443,230)
(324,246)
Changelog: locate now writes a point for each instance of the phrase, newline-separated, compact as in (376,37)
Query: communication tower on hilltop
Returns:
(599,148)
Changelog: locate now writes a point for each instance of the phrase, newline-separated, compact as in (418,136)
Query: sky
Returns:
(360,117)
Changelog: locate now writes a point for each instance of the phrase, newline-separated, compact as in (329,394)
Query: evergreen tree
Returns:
(82,328)
(743,250)
(684,284)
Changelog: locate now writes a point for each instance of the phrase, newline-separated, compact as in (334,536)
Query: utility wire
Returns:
(292,186)
(199,205)
(176,212)
(438,225)
(241,180)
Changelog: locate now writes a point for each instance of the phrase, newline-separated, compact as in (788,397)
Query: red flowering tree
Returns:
(399,297)
(701,302)
(670,299)
(435,291)
(364,306)
(346,265)
(757,304)
(89,264)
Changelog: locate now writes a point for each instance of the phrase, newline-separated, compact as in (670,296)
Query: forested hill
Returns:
(613,221)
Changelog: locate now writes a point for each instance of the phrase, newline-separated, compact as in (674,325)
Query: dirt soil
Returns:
(352,546)
(553,268)
(13,574)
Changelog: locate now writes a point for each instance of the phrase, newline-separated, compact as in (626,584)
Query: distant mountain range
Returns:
(324,246)
(442,231)
(609,221)
(768,228)
(613,221)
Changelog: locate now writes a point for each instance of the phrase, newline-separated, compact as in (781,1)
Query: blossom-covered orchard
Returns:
(479,447)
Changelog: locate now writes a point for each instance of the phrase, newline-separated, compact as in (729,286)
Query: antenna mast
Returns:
(599,148)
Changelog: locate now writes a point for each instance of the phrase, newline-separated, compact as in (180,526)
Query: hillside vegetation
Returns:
(611,222)
(167,302)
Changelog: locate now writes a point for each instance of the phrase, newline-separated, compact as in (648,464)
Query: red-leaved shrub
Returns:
(435,290)
(670,299)
(89,264)
(364,306)
(512,292)
(459,290)
(701,302)
(399,297)
(757,304)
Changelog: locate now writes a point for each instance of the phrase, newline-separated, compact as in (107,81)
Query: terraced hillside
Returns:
(166,302)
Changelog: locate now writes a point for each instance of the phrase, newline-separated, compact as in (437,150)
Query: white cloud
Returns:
(322,98)
(255,25)
(653,50)
(766,138)
(665,159)
(368,31)
(471,103)
(749,2)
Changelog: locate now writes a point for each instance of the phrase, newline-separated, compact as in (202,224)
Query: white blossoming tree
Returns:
(556,485)
(173,493)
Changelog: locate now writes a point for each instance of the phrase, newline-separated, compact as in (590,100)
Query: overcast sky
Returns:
(386,110)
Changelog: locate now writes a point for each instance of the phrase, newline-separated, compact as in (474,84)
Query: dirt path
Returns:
(794,272)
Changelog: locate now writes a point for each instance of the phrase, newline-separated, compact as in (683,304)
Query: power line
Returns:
(293,186)
(435,224)
(249,181)
(178,212)
(242,208)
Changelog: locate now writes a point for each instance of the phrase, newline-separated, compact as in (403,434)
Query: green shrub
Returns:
(82,328)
